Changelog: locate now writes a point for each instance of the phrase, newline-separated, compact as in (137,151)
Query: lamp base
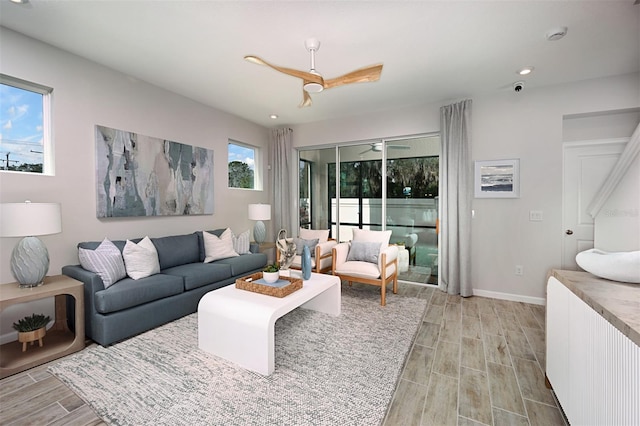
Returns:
(29,262)
(259,232)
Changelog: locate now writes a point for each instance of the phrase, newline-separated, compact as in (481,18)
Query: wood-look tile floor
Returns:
(475,361)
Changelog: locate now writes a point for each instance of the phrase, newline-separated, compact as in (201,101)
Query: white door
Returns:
(585,167)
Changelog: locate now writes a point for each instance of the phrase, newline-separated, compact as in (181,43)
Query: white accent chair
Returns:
(321,261)
(380,274)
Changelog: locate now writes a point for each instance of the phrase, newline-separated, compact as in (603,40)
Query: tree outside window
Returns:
(242,163)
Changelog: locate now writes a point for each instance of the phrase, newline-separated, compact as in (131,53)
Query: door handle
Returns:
(568,232)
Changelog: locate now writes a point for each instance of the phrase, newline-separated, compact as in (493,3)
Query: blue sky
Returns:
(240,153)
(21,128)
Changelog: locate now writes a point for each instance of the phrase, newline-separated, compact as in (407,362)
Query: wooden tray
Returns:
(243,284)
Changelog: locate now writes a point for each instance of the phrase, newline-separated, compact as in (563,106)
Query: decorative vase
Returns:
(306,263)
(25,337)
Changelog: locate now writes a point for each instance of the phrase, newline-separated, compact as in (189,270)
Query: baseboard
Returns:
(508,296)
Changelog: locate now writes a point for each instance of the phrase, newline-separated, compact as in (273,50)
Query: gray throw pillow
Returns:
(364,251)
(301,242)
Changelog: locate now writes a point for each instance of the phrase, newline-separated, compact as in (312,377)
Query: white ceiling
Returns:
(432,50)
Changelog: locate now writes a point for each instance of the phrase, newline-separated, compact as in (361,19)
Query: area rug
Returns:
(329,371)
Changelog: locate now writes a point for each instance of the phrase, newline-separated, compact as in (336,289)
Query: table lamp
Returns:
(29,258)
(259,212)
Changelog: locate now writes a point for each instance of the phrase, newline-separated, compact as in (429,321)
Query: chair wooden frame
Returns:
(380,282)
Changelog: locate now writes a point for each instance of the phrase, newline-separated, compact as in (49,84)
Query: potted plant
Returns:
(31,329)
(271,273)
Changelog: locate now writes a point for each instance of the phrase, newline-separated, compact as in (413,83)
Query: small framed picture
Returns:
(497,179)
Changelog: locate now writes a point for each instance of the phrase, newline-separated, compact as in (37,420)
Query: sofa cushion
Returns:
(245,263)
(177,250)
(200,274)
(127,293)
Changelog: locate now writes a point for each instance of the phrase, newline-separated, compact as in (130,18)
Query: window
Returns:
(25,136)
(242,166)
(305,193)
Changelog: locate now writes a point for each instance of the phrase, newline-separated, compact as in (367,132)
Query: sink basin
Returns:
(617,266)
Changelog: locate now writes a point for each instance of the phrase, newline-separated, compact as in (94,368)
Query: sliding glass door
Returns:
(342,188)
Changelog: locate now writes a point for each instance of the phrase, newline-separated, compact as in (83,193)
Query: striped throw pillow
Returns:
(106,261)
(241,243)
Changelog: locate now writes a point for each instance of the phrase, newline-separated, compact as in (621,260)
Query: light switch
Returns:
(535,215)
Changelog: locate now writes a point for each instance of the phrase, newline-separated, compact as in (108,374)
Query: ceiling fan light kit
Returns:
(312,81)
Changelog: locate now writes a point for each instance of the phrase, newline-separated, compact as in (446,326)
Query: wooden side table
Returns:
(59,340)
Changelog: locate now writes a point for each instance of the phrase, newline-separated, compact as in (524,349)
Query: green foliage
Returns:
(31,323)
(240,175)
(274,267)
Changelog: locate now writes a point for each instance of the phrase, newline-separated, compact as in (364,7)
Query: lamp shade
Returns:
(29,219)
(259,211)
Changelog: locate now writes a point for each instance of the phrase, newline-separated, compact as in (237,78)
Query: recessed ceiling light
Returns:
(525,71)
(273,116)
(556,33)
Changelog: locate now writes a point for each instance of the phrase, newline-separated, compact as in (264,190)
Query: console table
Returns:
(59,340)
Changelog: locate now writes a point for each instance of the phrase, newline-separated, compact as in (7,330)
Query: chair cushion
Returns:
(309,234)
(371,236)
(200,274)
(128,292)
(245,263)
(359,269)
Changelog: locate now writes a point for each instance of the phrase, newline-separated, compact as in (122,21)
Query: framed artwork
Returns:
(139,175)
(497,179)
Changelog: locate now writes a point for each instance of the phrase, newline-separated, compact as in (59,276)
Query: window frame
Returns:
(48,158)
(257,165)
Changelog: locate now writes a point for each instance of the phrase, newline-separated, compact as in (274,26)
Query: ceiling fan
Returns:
(377,147)
(312,81)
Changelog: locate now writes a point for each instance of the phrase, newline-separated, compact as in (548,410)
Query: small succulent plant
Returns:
(274,267)
(34,322)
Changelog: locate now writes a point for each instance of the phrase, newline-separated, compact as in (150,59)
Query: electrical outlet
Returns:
(519,270)
(535,215)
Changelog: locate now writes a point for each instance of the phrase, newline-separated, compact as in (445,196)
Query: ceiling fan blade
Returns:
(364,152)
(289,71)
(306,99)
(398,147)
(363,75)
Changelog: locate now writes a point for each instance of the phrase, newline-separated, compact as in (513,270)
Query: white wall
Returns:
(617,226)
(528,126)
(86,94)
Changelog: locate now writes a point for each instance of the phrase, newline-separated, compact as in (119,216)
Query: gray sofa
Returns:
(129,307)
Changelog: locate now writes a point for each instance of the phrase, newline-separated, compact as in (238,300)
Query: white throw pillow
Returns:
(141,259)
(218,248)
(311,234)
(241,243)
(106,261)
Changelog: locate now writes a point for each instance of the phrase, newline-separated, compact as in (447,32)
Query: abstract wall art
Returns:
(139,175)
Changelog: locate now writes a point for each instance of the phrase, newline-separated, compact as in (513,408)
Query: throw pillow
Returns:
(106,261)
(364,251)
(309,234)
(141,260)
(218,248)
(241,243)
(301,242)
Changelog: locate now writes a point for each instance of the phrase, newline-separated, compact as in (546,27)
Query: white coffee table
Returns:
(238,325)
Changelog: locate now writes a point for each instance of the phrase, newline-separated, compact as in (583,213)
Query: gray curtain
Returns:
(456,186)
(282,162)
